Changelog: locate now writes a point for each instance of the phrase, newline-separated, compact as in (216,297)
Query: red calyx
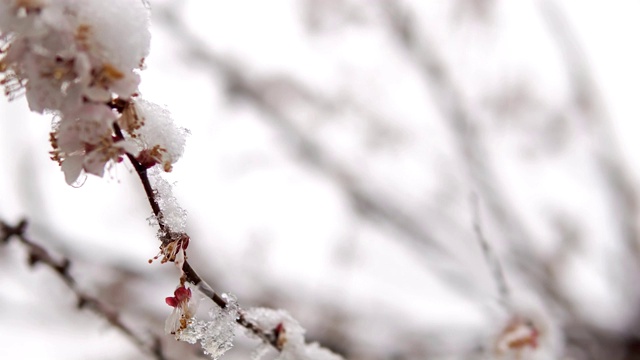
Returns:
(171,301)
(182,294)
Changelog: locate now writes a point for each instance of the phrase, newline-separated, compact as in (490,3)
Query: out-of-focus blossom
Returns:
(518,336)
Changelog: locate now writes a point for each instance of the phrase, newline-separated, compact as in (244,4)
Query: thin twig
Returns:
(189,272)
(144,178)
(40,255)
(489,255)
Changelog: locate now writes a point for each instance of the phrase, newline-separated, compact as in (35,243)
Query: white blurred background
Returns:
(335,149)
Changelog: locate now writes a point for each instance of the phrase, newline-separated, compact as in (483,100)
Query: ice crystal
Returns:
(216,334)
(173,216)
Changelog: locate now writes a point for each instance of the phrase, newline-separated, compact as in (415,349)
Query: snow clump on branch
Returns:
(79,60)
(289,336)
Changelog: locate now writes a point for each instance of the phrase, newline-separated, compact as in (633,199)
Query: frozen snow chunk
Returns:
(173,215)
(289,336)
(289,333)
(215,335)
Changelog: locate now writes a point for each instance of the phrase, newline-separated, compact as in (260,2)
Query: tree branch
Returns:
(40,255)
(269,337)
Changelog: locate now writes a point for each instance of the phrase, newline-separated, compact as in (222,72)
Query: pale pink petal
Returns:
(94,163)
(72,167)
(130,146)
(97,94)
(126,86)
(180,256)
(172,324)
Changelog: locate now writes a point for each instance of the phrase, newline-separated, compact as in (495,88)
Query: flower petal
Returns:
(72,167)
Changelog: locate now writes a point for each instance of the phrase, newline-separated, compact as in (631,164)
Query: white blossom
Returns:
(85,142)
(184,308)
(73,58)
(64,50)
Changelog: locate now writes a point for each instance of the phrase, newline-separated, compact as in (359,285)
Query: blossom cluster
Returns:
(79,60)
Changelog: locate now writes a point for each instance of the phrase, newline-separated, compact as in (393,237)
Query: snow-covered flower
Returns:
(161,140)
(73,58)
(65,52)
